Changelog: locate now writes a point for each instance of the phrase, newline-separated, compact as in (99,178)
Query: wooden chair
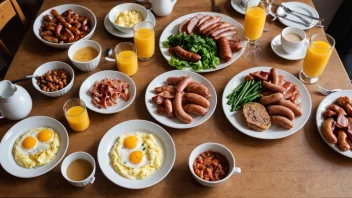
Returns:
(9,9)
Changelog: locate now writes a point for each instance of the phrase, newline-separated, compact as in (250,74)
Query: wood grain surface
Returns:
(301,165)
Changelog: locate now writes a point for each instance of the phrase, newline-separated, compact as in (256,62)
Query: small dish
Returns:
(110,28)
(123,7)
(89,82)
(89,65)
(278,50)
(72,157)
(216,148)
(53,66)
(163,139)
(236,5)
(6,158)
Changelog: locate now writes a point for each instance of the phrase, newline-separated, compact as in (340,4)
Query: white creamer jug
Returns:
(15,101)
(162,7)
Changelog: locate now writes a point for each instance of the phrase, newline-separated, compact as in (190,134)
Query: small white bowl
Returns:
(114,12)
(89,65)
(53,66)
(216,148)
(82,11)
(72,157)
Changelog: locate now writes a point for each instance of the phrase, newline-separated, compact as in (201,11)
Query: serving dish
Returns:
(164,141)
(274,132)
(88,65)
(6,158)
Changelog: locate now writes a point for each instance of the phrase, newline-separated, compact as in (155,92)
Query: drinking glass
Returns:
(317,56)
(76,114)
(144,38)
(126,58)
(254,21)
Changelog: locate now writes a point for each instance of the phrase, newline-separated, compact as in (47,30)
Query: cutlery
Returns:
(288,10)
(214,7)
(301,18)
(24,79)
(326,91)
(298,22)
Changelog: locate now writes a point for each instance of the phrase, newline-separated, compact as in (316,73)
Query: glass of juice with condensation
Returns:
(254,21)
(126,58)
(144,39)
(317,56)
(76,114)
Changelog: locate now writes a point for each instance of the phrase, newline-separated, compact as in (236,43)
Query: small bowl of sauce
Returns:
(79,169)
(85,55)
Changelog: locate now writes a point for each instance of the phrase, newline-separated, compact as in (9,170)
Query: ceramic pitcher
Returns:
(15,101)
(162,7)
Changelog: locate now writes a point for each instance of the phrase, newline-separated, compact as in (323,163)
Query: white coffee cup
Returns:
(72,157)
(289,46)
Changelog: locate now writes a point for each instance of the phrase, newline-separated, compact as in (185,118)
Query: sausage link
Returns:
(294,108)
(186,55)
(48,17)
(272,87)
(265,100)
(342,140)
(328,131)
(348,108)
(274,76)
(197,99)
(174,80)
(58,29)
(225,50)
(337,109)
(64,23)
(70,36)
(51,39)
(179,112)
(55,14)
(183,84)
(85,22)
(328,114)
(281,110)
(195,109)
(282,121)
(168,108)
(198,89)
(75,31)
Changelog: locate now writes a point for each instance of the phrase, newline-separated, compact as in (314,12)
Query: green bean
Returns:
(242,93)
(236,89)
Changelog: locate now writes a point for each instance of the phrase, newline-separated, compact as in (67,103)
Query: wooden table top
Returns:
(301,165)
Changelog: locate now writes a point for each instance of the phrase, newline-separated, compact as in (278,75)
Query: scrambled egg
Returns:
(128,18)
(36,148)
(136,155)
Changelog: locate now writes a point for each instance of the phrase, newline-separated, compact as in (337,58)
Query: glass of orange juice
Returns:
(76,114)
(254,21)
(317,56)
(126,58)
(144,39)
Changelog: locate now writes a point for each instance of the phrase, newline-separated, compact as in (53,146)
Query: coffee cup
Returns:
(292,39)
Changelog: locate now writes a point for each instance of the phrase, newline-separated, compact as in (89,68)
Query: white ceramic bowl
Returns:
(216,148)
(114,12)
(163,139)
(89,65)
(52,66)
(6,158)
(82,11)
(72,157)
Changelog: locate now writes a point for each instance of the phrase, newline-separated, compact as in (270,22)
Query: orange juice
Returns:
(254,22)
(127,62)
(317,56)
(77,118)
(144,39)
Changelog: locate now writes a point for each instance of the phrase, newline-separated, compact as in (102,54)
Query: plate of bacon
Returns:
(283,107)
(108,92)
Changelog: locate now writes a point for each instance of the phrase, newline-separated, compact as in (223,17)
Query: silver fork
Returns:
(326,91)
(287,9)
(214,7)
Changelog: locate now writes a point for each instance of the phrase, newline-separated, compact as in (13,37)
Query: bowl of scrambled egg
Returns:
(124,16)
(136,154)
(33,146)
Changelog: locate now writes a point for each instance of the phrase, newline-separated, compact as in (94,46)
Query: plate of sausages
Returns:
(180,99)
(224,30)
(334,121)
(283,97)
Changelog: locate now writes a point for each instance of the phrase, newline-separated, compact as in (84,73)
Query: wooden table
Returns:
(301,165)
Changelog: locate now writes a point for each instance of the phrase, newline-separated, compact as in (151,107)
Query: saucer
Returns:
(110,28)
(236,4)
(276,46)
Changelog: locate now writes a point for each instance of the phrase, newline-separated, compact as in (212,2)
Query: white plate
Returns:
(278,50)
(163,139)
(89,82)
(6,158)
(172,28)
(330,99)
(110,28)
(299,7)
(175,122)
(236,5)
(274,132)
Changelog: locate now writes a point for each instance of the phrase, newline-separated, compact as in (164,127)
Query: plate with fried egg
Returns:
(136,154)
(33,146)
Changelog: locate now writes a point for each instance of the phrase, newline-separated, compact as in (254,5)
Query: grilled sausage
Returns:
(348,108)
(174,80)
(46,33)
(281,110)
(198,89)
(294,108)
(341,101)
(337,109)
(328,131)
(235,47)
(282,121)
(64,23)
(342,140)
(328,114)
(179,112)
(51,39)
(274,76)
(265,100)
(48,17)
(195,109)
(70,36)
(225,50)
(168,108)
(58,29)
(55,14)
(197,99)
(183,84)
(272,87)
(186,55)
